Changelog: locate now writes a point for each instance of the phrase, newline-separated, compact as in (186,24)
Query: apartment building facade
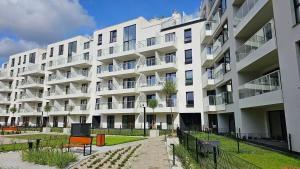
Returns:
(235,64)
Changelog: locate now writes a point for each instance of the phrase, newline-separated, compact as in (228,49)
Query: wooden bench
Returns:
(80,141)
(9,129)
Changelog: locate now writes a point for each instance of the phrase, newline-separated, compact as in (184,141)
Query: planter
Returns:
(67,131)
(154,133)
(46,129)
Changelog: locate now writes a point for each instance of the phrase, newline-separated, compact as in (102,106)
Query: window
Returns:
(171,101)
(44,56)
(171,77)
(169,121)
(129,64)
(83,104)
(188,56)
(170,37)
(109,103)
(188,36)
(98,86)
(151,80)
(128,121)
(113,36)
(97,105)
(61,50)
(268,31)
(170,57)
(99,52)
(51,52)
(111,67)
(128,102)
(43,66)
(19,62)
(129,83)
(99,69)
(189,99)
(297,10)
(110,121)
(151,41)
(150,61)
(12,62)
(82,119)
(24,59)
(150,97)
(100,39)
(188,77)
(110,85)
(86,56)
(86,45)
(32,58)
(129,38)
(72,48)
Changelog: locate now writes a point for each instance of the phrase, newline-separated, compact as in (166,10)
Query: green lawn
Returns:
(113,140)
(59,140)
(261,157)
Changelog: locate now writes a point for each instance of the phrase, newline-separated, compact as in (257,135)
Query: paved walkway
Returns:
(13,160)
(152,155)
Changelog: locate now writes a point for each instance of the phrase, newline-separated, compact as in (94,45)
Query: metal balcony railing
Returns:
(267,83)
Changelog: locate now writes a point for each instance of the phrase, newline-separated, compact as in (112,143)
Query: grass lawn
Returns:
(261,157)
(113,140)
(58,140)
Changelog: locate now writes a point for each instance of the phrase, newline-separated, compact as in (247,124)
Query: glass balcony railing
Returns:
(79,58)
(244,10)
(156,41)
(224,98)
(267,83)
(255,42)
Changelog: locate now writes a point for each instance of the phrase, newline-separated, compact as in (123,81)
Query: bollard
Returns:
(37,143)
(173,146)
(30,144)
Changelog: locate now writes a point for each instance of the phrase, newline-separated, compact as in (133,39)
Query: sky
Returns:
(28,24)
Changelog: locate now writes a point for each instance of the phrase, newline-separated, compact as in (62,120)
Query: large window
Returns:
(100,39)
(150,61)
(128,102)
(72,48)
(129,64)
(170,37)
(297,10)
(189,99)
(151,80)
(61,50)
(150,97)
(129,38)
(128,121)
(188,77)
(32,58)
(188,56)
(113,36)
(171,77)
(110,121)
(188,36)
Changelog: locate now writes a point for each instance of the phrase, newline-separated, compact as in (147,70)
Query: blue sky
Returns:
(30,24)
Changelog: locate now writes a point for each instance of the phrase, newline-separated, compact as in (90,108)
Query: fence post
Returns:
(173,146)
(187,142)
(197,150)
(290,142)
(215,157)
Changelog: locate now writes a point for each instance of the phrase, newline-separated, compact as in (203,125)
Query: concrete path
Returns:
(13,160)
(152,155)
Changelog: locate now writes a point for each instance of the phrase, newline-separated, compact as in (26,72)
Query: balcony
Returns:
(6,76)
(32,83)
(206,32)
(258,46)
(208,80)
(70,93)
(251,14)
(118,70)
(31,97)
(153,65)
(220,71)
(78,76)
(5,100)
(209,103)
(217,47)
(80,60)
(223,99)
(118,107)
(113,52)
(4,113)
(35,69)
(265,90)
(207,57)
(5,88)
(82,109)
(128,87)
(161,44)
(179,20)
(30,111)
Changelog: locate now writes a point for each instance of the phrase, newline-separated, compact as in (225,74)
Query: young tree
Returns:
(47,109)
(13,110)
(169,89)
(153,104)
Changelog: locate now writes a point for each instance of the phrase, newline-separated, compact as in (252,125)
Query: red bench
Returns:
(80,141)
(9,129)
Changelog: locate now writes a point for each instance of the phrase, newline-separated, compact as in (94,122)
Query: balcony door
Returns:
(111,121)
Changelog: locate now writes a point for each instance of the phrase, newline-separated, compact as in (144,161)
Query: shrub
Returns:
(186,159)
(49,157)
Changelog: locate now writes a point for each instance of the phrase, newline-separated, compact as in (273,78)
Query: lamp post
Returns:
(144,120)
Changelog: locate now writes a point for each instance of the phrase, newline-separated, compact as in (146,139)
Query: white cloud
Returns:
(10,46)
(40,21)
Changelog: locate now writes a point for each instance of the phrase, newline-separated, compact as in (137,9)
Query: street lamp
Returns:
(144,107)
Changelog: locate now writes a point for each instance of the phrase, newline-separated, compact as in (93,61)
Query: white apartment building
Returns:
(235,63)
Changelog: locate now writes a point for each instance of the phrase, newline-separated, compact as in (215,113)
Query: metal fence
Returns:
(209,155)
